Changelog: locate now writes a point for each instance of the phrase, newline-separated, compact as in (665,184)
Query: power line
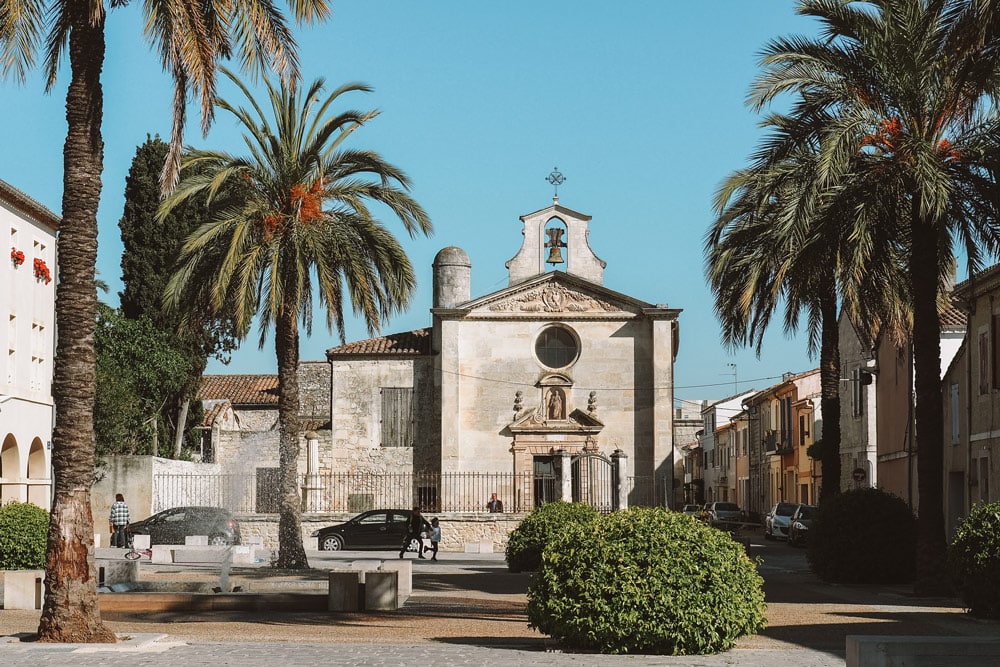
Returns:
(516,383)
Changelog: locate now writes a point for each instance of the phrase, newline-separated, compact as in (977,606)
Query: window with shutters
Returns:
(984,361)
(397,417)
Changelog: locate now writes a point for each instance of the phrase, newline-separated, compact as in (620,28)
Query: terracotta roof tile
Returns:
(212,413)
(952,317)
(240,389)
(406,343)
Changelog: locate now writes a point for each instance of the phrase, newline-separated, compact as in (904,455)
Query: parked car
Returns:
(374,529)
(173,525)
(800,522)
(693,510)
(776,521)
(724,515)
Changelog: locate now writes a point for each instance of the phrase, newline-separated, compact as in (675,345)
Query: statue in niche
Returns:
(556,405)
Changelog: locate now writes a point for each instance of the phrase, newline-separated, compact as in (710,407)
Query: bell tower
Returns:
(556,237)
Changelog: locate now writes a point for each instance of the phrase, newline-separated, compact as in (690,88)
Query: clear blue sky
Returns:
(641,105)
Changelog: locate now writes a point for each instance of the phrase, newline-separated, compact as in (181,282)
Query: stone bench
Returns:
(23,589)
(480,547)
(370,585)
(111,571)
(889,651)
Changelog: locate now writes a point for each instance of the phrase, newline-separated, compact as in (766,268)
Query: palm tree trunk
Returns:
(183,404)
(931,543)
(291,552)
(829,378)
(71,612)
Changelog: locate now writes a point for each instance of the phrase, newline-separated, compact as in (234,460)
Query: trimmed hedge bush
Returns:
(863,536)
(526,542)
(646,581)
(974,560)
(24,530)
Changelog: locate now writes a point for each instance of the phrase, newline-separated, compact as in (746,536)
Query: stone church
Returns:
(553,368)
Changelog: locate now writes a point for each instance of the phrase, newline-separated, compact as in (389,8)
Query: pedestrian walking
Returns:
(435,537)
(414,527)
(118,522)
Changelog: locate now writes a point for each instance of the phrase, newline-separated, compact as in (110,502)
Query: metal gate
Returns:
(595,481)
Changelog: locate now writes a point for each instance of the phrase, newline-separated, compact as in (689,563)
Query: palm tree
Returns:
(909,86)
(294,212)
(779,238)
(190,39)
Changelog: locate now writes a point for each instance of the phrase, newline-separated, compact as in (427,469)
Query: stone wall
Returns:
(314,390)
(355,442)
(456,529)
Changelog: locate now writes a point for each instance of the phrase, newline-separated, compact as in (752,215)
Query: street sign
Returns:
(858,474)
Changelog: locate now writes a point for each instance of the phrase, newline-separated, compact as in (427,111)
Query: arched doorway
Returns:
(11,487)
(39,482)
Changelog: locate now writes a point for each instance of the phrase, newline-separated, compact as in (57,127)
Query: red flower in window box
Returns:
(17,257)
(42,271)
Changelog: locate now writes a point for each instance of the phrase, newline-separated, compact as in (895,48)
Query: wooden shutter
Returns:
(397,416)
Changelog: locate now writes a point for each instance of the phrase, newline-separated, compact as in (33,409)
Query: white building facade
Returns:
(27,300)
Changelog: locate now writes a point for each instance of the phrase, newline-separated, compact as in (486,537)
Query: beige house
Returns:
(894,404)
(27,300)
(971,393)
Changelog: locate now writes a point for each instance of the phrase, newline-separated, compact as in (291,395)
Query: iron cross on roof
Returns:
(556,179)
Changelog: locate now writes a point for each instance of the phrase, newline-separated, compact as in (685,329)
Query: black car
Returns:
(173,525)
(798,527)
(374,529)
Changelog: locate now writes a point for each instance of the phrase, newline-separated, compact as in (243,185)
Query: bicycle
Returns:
(135,554)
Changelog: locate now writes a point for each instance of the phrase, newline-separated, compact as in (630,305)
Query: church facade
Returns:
(555,369)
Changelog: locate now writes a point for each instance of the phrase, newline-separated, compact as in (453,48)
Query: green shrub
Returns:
(24,530)
(974,560)
(526,542)
(863,536)
(646,581)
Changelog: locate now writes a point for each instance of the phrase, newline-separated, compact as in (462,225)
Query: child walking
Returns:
(435,537)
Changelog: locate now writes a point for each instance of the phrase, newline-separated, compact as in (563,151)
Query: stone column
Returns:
(565,476)
(620,459)
(313,488)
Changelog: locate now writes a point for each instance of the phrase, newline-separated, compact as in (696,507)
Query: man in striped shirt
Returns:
(118,522)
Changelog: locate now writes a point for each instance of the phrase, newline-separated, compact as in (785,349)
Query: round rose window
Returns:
(556,347)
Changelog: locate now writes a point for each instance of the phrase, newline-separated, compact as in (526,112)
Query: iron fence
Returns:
(258,491)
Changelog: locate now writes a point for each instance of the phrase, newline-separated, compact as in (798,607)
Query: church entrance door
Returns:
(546,480)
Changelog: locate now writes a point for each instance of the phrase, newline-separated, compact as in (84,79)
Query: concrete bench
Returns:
(893,651)
(23,589)
(111,571)
(201,554)
(480,547)
(365,590)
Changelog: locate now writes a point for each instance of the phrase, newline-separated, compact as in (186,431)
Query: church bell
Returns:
(555,256)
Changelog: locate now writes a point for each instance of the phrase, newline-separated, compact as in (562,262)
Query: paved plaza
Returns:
(468,610)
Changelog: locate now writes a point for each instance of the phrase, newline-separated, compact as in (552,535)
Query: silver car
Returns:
(724,515)
(776,521)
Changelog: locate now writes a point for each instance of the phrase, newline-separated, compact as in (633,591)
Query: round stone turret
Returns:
(452,277)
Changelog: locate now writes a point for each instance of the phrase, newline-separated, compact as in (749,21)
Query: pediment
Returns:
(534,421)
(555,294)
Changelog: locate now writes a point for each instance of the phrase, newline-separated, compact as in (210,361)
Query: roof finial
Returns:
(556,179)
